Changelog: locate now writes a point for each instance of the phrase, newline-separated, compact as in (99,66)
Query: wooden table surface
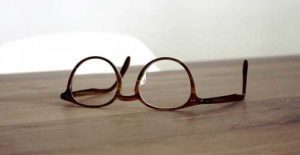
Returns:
(34,120)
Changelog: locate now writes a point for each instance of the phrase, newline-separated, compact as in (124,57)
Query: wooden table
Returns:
(34,120)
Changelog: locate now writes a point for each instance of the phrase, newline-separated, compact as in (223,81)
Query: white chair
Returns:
(62,51)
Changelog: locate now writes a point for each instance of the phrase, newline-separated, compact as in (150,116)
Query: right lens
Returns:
(167,88)
(92,82)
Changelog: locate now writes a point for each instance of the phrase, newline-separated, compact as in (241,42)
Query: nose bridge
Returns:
(127,97)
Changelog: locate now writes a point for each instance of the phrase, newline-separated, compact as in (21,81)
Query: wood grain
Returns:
(33,120)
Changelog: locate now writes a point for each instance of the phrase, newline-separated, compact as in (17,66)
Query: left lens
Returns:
(91,83)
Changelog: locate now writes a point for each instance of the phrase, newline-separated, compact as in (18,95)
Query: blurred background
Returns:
(54,34)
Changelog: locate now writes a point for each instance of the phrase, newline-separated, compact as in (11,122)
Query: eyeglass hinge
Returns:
(203,101)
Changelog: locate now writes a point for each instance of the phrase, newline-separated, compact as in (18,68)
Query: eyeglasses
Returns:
(151,96)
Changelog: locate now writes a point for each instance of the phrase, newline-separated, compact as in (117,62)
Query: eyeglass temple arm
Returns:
(232,97)
(92,91)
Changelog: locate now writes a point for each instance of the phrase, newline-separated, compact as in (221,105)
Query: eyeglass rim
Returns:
(142,73)
(71,77)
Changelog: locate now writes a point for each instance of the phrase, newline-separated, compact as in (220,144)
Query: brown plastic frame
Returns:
(193,100)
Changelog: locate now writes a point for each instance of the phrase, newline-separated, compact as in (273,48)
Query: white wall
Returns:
(186,29)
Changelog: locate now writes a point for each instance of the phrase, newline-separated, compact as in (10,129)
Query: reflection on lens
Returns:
(168,88)
(91,83)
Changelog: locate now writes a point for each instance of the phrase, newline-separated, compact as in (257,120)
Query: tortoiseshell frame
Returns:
(193,100)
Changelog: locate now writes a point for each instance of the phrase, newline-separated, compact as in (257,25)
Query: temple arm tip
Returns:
(245,74)
(125,66)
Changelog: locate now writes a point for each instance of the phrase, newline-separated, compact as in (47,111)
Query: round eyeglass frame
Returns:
(68,95)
